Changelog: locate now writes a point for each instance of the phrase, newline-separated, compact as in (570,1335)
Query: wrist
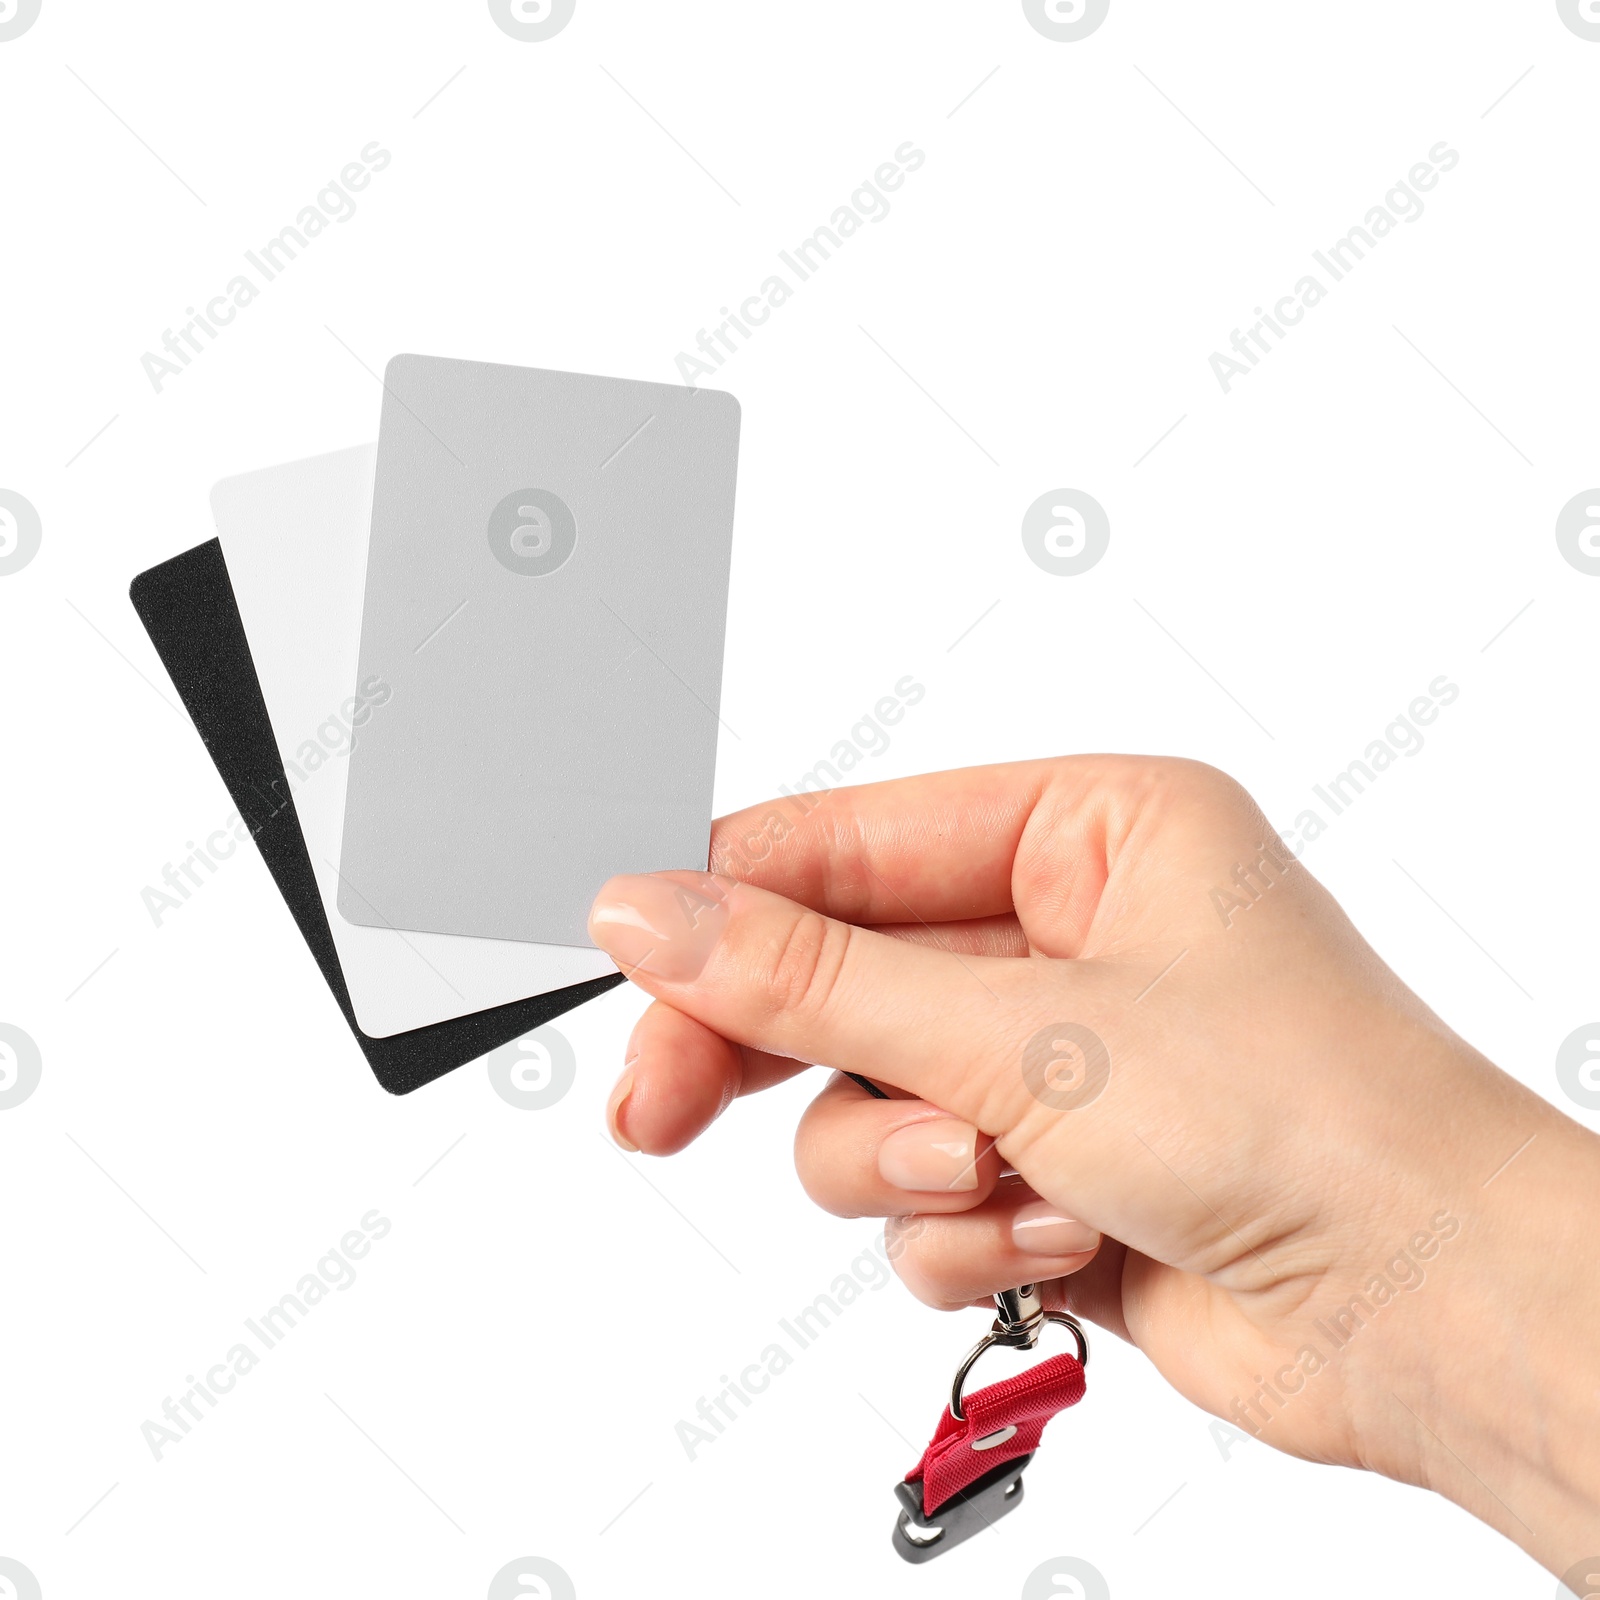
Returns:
(1492,1398)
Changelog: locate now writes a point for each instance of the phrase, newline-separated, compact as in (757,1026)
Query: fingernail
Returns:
(1041,1230)
(614,1109)
(659,926)
(930,1156)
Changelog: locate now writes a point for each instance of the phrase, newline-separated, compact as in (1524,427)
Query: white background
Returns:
(1288,568)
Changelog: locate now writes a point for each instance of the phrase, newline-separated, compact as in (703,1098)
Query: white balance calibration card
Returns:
(546,595)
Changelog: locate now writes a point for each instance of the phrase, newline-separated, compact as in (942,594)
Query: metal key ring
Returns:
(988,1339)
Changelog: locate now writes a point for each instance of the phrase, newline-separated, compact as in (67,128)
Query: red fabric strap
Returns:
(1026,1402)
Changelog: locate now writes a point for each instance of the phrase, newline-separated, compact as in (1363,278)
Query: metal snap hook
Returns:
(999,1336)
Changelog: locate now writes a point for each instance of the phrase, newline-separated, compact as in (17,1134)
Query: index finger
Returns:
(935,848)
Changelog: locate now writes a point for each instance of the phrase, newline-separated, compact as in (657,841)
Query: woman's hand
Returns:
(1146,1060)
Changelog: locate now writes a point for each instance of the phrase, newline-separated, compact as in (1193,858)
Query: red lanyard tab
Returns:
(1000,1423)
(971,1473)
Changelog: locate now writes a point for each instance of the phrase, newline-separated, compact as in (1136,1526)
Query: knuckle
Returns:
(903,1237)
(1208,785)
(847,884)
(912,1245)
(1187,801)
(804,965)
(817,1165)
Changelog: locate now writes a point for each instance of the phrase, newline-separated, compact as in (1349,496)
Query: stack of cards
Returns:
(456,680)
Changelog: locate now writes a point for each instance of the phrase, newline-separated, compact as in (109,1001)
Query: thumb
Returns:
(779,977)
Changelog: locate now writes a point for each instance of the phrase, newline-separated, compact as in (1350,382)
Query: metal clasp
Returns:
(1020,1319)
